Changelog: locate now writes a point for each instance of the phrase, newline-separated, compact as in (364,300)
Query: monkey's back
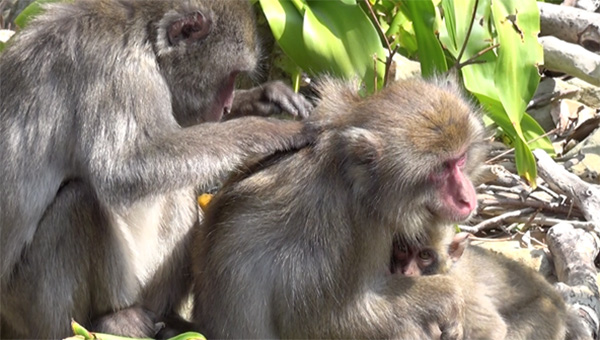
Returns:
(518,293)
(266,244)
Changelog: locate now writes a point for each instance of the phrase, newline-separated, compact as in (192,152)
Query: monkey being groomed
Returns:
(298,245)
(108,124)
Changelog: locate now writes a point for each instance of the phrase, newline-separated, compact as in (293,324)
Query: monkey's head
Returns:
(414,261)
(410,150)
(436,253)
(201,46)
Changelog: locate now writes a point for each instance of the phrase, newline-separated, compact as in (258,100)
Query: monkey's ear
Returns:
(364,146)
(459,243)
(189,29)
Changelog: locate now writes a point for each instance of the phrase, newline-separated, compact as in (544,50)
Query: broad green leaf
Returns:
(31,11)
(431,54)
(478,78)
(448,36)
(333,37)
(346,39)
(532,130)
(286,23)
(402,29)
(516,76)
(525,162)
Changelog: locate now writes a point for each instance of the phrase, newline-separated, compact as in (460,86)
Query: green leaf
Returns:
(448,36)
(286,23)
(31,11)
(431,54)
(334,37)
(516,76)
(478,78)
(402,29)
(532,130)
(525,162)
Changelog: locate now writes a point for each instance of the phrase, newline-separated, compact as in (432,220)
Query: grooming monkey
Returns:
(504,299)
(108,123)
(299,244)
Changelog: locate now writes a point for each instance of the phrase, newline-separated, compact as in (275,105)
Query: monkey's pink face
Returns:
(456,194)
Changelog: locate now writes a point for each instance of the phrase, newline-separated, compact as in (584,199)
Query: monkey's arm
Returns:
(190,156)
(430,304)
(269,99)
(400,307)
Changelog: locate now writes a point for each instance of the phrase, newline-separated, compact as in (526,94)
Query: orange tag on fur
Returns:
(203,201)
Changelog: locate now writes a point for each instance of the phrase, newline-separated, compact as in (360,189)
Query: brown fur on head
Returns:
(421,129)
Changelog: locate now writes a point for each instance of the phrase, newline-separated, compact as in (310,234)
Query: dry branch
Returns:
(573,251)
(570,24)
(499,220)
(586,196)
(571,59)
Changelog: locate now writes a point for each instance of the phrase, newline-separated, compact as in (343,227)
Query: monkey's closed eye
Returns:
(189,29)
(442,170)
(461,161)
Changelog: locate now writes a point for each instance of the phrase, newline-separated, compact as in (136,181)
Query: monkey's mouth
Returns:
(224,100)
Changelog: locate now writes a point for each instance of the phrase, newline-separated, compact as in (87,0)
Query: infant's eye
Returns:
(425,254)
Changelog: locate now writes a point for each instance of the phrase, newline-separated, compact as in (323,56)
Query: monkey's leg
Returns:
(64,273)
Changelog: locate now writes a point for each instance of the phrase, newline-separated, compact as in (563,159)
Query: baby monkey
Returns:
(504,299)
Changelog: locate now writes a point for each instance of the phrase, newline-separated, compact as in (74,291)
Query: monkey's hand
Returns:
(269,99)
(449,306)
(435,304)
(133,321)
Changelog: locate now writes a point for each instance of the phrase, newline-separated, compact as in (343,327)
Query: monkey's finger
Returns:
(295,105)
(303,106)
(287,100)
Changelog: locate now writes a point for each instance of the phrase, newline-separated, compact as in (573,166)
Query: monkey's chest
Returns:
(151,230)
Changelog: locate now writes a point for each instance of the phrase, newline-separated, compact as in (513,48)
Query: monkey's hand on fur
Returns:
(451,309)
(269,99)
(436,303)
(132,321)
